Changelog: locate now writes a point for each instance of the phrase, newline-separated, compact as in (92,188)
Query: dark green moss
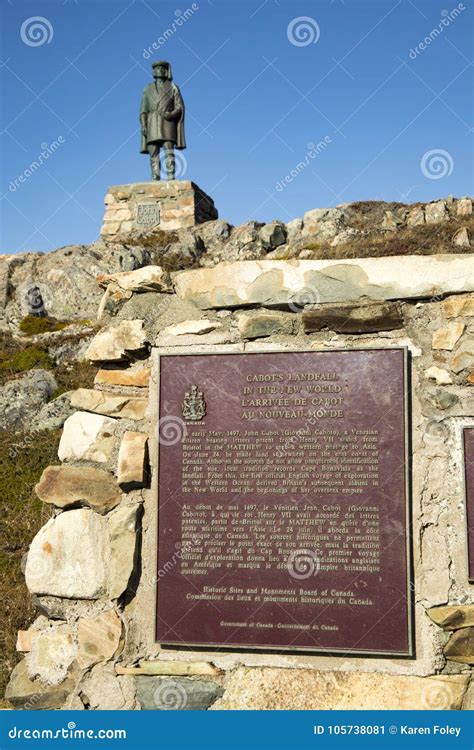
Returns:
(32,326)
(25,359)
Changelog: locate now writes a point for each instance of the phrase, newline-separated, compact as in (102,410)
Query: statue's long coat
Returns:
(167,98)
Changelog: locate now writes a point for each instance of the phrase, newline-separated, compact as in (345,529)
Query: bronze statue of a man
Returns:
(162,120)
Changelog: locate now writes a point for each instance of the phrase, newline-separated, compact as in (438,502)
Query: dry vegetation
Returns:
(23,456)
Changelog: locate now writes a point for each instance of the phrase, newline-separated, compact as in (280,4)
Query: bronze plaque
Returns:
(148,215)
(283,502)
(469,489)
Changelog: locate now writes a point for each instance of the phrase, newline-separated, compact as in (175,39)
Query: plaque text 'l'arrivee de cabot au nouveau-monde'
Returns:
(283,507)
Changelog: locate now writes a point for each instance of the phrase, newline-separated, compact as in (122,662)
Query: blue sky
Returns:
(262,80)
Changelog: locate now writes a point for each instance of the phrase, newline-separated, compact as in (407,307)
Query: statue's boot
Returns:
(155,168)
(170,163)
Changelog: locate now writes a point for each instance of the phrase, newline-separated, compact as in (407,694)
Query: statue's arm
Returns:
(178,105)
(144,109)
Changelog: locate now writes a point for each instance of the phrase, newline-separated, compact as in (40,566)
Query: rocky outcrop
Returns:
(65,279)
(23,398)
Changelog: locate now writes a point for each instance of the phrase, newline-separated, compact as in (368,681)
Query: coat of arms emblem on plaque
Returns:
(194,405)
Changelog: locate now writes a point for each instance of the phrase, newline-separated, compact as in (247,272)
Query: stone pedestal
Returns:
(143,206)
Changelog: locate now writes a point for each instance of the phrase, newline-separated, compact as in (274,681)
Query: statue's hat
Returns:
(164,64)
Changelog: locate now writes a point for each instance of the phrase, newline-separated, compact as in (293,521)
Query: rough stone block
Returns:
(52,653)
(69,486)
(274,283)
(461,305)
(176,694)
(145,279)
(416,216)
(464,207)
(67,556)
(448,336)
(318,690)
(98,638)
(260,324)
(110,404)
(25,694)
(435,212)
(460,646)
(453,617)
(110,227)
(464,355)
(122,526)
(347,318)
(442,377)
(117,343)
(132,460)
(462,238)
(24,640)
(87,436)
(171,668)
(138,378)
(195,327)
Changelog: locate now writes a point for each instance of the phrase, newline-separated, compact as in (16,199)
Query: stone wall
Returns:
(143,206)
(92,568)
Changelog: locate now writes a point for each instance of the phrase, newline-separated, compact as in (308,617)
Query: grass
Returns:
(23,457)
(427,239)
(156,242)
(17,357)
(73,376)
